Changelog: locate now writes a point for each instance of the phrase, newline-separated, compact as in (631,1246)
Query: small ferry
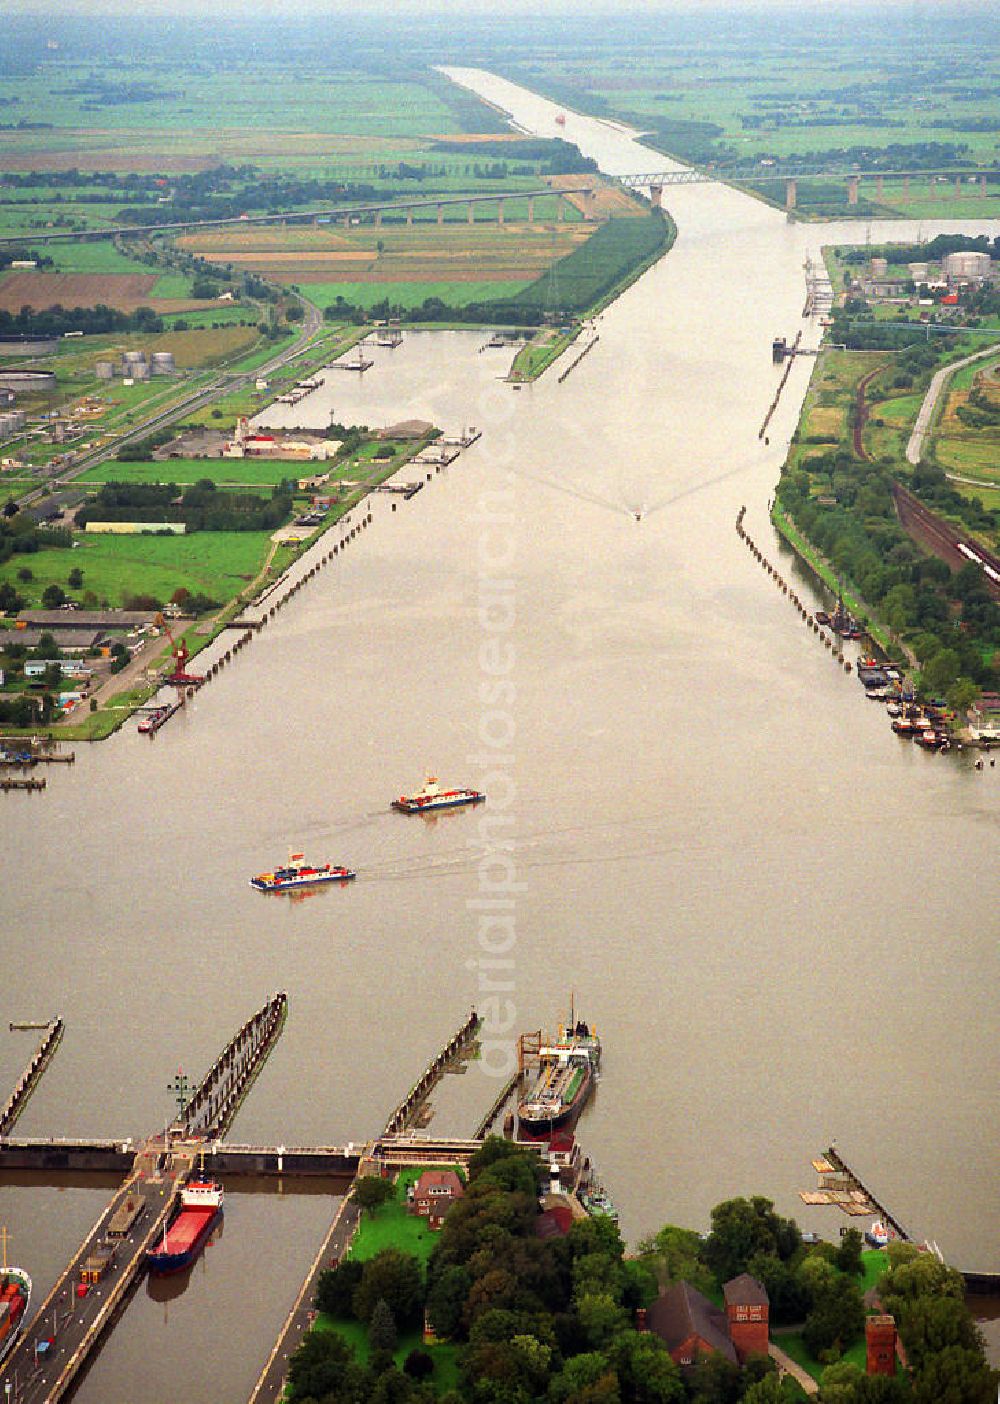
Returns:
(432,797)
(199,1211)
(298,873)
(15,1299)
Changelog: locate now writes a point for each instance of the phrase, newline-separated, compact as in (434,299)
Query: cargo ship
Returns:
(183,1238)
(567,1071)
(432,797)
(298,873)
(15,1299)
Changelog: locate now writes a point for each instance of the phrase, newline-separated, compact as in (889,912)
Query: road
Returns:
(925,417)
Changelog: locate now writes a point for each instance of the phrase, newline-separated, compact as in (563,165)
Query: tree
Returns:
(849,1253)
(370,1192)
(743,1227)
(673,1253)
(955,1376)
(53,596)
(75,578)
(317,1367)
(418,1365)
(394,1277)
(446,1300)
(10,600)
(336,1287)
(578,1374)
(645,1371)
(382,1335)
(601,1317)
(837,1316)
(24,574)
(930,1325)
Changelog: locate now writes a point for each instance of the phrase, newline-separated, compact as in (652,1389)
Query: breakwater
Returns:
(830,641)
(458,1045)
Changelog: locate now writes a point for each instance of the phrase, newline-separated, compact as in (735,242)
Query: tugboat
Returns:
(567,1071)
(598,1203)
(15,1299)
(298,873)
(433,797)
(878,1234)
(183,1238)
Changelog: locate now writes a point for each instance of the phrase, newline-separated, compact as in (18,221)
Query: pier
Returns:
(16,782)
(29,1079)
(210,1110)
(458,1046)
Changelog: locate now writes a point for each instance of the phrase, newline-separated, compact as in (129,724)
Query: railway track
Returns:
(942,540)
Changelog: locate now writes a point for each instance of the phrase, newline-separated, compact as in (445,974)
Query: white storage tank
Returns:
(163,363)
(918,272)
(968,264)
(880,267)
(140,370)
(105,370)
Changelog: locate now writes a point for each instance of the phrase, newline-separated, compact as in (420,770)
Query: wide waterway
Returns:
(781,919)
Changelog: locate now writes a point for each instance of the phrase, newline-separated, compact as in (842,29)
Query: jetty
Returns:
(29,1079)
(21,782)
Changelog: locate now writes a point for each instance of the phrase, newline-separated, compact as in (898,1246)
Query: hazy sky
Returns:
(237,8)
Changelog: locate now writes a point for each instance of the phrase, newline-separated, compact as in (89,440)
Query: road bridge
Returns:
(376,209)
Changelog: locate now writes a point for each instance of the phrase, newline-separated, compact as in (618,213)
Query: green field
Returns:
(455,294)
(226,472)
(214,563)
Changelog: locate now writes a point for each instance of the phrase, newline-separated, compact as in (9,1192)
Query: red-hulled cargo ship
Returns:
(199,1211)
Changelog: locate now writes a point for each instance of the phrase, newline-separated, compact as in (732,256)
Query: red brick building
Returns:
(880,1338)
(748,1312)
(433,1194)
(689,1325)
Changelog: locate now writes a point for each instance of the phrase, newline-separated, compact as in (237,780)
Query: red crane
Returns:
(180,677)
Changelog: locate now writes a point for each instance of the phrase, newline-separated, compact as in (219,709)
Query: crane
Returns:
(180,677)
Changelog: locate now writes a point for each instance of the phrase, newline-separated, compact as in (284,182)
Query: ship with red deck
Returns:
(432,797)
(15,1299)
(185,1235)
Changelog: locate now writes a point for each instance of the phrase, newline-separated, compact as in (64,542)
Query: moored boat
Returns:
(432,797)
(298,873)
(878,1234)
(598,1203)
(567,1071)
(15,1300)
(199,1211)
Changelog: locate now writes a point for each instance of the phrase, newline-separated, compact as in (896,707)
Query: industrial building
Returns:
(968,266)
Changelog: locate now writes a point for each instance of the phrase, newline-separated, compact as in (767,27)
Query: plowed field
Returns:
(123,291)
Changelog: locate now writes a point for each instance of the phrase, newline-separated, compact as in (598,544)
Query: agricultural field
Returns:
(896,92)
(971,450)
(123,291)
(326,261)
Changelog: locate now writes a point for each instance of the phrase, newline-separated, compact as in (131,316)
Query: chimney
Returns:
(640,1319)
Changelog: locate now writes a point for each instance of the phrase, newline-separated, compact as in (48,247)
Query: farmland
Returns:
(123,291)
(326,262)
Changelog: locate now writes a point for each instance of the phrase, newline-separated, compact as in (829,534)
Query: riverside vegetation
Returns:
(515,1319)
(841,500)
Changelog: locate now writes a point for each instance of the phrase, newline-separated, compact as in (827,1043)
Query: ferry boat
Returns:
(183,1238)
(298,873)
(568,1068)
(432,797)
(15,1300)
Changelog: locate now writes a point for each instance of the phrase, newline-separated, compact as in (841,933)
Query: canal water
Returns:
(781,920)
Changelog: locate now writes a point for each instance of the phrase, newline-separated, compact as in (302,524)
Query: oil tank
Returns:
(163,363)
(105,370)
(139,370)
(134,358)
(880,267)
